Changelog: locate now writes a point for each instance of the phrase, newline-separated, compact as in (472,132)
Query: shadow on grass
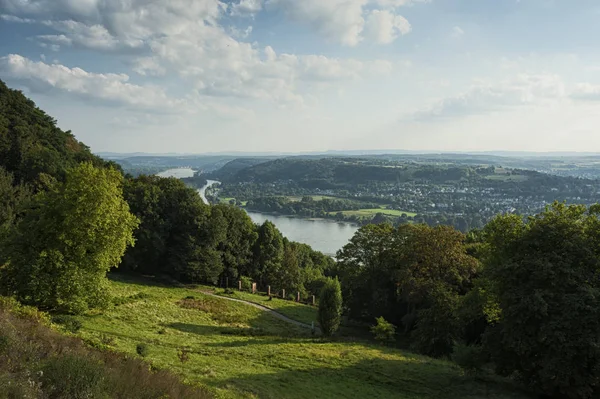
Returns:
(377,378)
(147,280)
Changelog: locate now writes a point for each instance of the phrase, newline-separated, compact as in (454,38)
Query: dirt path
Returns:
(266,309)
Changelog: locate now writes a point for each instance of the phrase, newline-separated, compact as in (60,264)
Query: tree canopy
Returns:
(71,236)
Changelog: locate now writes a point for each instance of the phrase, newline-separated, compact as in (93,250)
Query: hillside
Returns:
(350,172)
(32,144)
(232,168)
(241,352)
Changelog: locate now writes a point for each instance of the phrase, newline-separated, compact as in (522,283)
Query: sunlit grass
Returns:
(238,351)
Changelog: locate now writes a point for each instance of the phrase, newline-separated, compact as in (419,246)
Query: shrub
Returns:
(383,330)
(106,339)
(470,358)
(183,354)
(69,323)
(74,377)
(330,307)
(246,283)
(142,349)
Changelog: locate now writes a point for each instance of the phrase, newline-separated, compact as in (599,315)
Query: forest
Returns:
(520,296)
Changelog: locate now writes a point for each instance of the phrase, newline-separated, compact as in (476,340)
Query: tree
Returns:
(268,253)
(412,275)
(236,247)
(545,275)
(383,330)
(178,235)
(330,307)
(70,237)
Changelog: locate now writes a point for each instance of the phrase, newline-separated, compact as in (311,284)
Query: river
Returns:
(322,235)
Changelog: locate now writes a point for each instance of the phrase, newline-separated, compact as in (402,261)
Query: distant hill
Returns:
(31,144)
(232,168)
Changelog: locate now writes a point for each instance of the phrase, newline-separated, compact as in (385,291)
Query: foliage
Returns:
(142,349)
(412,275)
(246,283)
(384,331)
(268,253)
(73,376)
(173,238)
(69,323)
(470,358)
(330,307)
(71,236)
(32,147)
(183,354)
(545,276)
(38,362)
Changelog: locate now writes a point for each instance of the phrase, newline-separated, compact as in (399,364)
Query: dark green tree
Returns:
(268,253)
(330,307)
(545,273)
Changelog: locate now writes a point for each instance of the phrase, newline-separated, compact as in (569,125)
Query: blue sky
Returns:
(194,76)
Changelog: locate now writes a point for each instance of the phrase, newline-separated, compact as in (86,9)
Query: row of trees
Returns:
(69,236)
(522,295)
(181,237)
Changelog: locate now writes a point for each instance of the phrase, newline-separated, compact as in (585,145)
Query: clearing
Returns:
(239,351)
(375,211)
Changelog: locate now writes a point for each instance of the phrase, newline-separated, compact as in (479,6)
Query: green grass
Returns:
(238,351)
(372,212)
(504,177)
(294,198)
(297,311)
(227,200)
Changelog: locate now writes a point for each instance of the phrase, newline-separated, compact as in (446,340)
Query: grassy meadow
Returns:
(296,311)
(238,351)
(372,212)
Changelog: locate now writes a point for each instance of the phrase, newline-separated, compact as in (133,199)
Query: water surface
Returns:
(322,235)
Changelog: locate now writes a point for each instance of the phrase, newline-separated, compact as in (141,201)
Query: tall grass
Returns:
(38,362)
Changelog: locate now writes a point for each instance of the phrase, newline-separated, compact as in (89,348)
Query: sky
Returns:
(200,76)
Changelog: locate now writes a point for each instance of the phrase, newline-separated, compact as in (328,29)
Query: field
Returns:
(372,212)
(314,197)
(303,313)
(506,175)
(238,351)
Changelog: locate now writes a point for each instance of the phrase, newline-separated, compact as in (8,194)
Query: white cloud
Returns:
(184,39)
(110,88)
(246,8)
(337,20)
(148,66)
(398,3)
(586,92)
(349,21)
(457,32)
(109,24)
(240,34)
(383,26)
(12,18)
(486,97)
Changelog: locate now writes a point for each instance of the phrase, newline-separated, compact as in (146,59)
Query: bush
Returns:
(183,354)
(74,377)
(383,330)
(246,283)
(69,323)
(330,307)
(470,358)
(142,349)
(106,339)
